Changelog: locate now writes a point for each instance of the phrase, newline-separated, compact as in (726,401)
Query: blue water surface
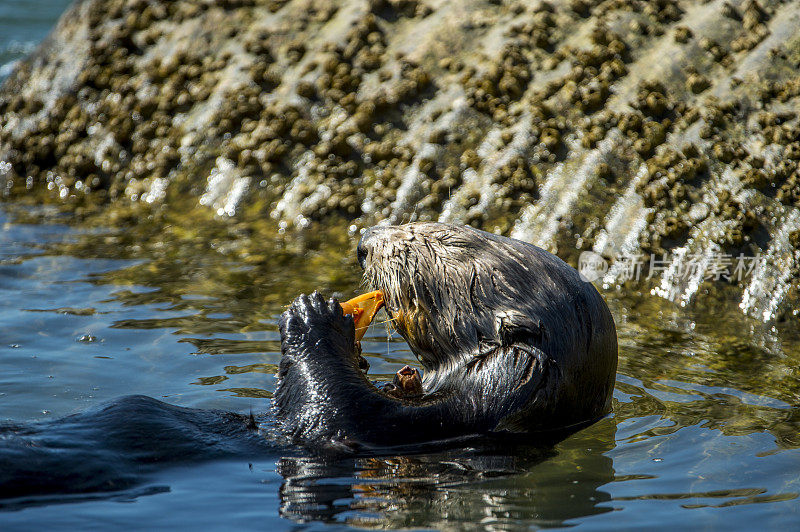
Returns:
(23,24)
(704,432)
(73,335)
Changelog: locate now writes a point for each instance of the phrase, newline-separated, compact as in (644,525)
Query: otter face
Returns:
(449,289)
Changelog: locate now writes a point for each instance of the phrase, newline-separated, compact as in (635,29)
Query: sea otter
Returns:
(510,338)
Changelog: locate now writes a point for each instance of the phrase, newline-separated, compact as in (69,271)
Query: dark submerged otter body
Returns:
(510,337)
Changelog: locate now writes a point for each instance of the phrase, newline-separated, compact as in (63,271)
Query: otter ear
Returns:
(513,327)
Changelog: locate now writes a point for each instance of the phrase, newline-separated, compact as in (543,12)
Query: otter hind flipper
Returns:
(535,364)
(512,327)
(486,349)
(511,369)
(522,399)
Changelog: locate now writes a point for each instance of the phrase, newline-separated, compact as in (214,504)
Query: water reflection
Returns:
(494,487)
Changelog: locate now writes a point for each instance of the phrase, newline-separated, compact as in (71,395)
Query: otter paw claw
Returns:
(317,327)
(313,311)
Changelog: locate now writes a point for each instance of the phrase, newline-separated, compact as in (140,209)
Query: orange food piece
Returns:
(363,309)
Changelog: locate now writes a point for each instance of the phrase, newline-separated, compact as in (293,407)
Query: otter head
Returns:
(451,290)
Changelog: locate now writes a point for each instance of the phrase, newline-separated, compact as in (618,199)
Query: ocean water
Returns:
(704,432)
(183,308)
(23,25)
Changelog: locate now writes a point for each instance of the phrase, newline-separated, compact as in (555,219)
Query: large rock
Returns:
(625,127)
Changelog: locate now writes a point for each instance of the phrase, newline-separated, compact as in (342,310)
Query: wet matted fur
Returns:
(509,336)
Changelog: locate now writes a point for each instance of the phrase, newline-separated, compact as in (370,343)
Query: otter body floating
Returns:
(510,338)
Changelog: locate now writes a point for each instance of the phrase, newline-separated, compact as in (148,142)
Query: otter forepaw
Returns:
(320,359)
(316,327)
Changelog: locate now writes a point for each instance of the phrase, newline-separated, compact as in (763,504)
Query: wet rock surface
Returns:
(619,126)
